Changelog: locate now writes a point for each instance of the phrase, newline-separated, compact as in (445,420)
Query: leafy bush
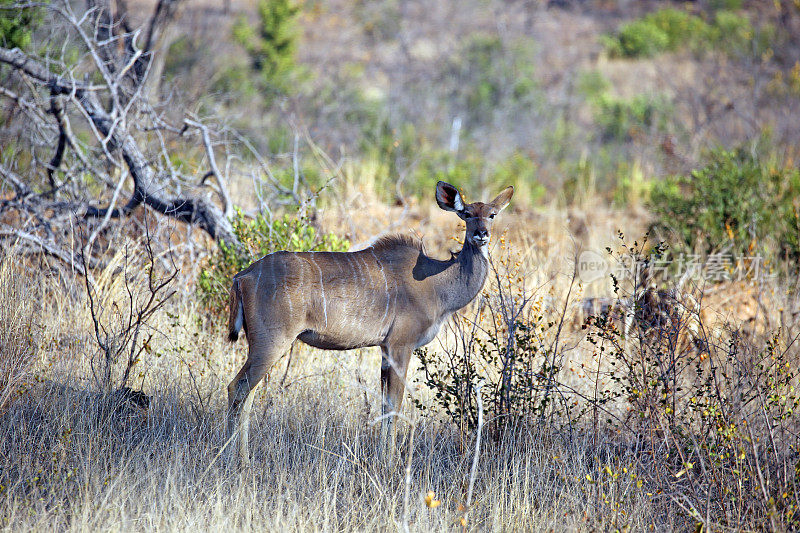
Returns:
(672,29)
(258,237)
(518,170)
(592,84)
(661,31)
(734,200)
(492,75)
(734,34)
(639,38)
(17,25)
(729,5)
(621,119)
(681,28)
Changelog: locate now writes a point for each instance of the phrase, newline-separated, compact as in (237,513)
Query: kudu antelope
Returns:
(390,295)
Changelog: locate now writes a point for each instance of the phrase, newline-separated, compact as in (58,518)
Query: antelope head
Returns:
(478,216)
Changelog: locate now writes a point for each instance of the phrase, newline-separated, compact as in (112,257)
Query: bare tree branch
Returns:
(191,210)
(212,161)
(16,180)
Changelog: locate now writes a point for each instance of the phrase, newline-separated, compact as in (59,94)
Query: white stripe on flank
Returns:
(386,287)
(367,285)
(324,301)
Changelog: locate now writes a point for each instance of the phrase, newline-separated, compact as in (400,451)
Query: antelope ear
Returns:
(503,198)
(448,197)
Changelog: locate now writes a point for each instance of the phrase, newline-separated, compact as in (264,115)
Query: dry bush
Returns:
(704,410)
(712,403)
(122,302)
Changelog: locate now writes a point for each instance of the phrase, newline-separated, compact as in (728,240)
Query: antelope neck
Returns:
(464,278)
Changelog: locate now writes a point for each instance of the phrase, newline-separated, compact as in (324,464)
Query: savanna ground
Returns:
(655,401)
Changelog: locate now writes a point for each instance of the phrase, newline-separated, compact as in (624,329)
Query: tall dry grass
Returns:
(18,336)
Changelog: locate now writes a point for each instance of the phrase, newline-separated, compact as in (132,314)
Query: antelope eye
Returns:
(491,216)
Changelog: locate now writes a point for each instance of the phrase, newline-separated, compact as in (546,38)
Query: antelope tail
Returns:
(236,318)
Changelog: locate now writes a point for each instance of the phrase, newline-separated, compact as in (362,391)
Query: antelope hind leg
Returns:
(240,397)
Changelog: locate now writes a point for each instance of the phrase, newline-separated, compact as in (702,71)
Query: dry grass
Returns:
(17,337)
(72,463)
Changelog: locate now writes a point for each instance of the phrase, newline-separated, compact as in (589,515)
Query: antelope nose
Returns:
(481,233)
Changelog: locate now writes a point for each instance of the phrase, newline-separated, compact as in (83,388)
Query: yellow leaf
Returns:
(431,501)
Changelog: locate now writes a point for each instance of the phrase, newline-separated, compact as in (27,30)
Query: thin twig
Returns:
(212,162)
(407,494)
(474,470)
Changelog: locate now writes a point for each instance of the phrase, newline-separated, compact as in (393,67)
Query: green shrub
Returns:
(592,84)
(518,170)
(271,44)
(233,82)
(258,237)
(734,200)
(672,29)
(621,119)
(492,75)
(639,38)
(661,31)
(17,25)
(182,55)
(729,5)
(466,170)
(682,29)
(734,34)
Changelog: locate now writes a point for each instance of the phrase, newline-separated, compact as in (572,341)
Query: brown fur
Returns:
(388,242)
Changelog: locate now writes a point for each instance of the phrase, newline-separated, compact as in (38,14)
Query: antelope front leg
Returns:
(394,366)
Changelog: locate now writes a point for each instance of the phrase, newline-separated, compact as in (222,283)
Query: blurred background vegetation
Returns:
(566,100)
(626,104)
